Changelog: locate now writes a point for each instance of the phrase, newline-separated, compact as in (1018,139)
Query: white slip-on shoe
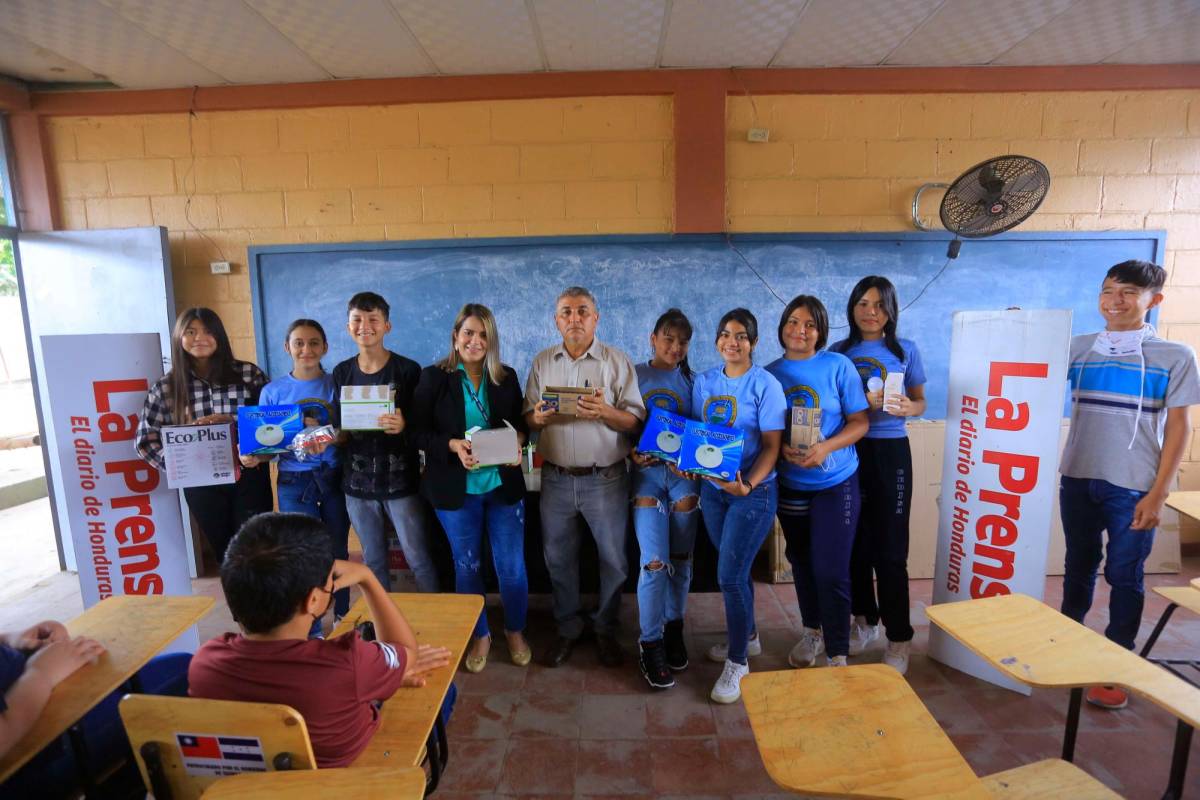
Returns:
(861,635)
(896,656)
(728,687)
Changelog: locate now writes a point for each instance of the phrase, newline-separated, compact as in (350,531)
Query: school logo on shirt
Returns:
(801,395)
(869,368)
(720,409)
(663,398)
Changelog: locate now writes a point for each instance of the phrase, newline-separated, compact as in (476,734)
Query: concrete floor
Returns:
(586,731)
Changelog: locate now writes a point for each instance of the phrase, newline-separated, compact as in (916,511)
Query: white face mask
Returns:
(1121,343)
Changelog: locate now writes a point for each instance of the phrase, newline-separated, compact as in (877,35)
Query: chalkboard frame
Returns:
(257,272)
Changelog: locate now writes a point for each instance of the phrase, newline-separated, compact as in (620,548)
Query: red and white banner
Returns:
(1008,370)
(124,521)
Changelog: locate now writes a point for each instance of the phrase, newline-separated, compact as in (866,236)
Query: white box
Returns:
(494,445)
(199,455)
(361,406)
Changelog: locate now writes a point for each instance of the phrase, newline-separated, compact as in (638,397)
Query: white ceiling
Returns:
(137,44)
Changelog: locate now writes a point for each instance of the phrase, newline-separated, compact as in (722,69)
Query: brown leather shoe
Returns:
(560,653)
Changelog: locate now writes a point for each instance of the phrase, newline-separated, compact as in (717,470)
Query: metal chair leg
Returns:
(1179,759)
(1068,751)
(1158,629)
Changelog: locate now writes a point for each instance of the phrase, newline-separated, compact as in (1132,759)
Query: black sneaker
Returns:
(677,658)
(653,662)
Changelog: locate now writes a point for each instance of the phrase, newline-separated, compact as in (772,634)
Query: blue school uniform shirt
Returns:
(827,381)
(873,359)
(665,388)
(752,403)
(315,399)
(12,664)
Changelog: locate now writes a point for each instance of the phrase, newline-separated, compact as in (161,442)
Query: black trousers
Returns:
(222,510)
(881,545)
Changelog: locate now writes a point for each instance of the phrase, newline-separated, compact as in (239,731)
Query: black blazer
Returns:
(439,415)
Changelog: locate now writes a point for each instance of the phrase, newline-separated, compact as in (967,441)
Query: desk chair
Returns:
(862,731)
(159,728)
(360,783)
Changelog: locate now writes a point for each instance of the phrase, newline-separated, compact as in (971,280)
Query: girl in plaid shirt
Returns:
(207,385)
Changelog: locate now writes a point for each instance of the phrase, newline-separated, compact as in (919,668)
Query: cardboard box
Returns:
(805,428)
(266,430)
(564,399)
(714,451)
(494,445)
(663,435)
(199,455)
(361,406)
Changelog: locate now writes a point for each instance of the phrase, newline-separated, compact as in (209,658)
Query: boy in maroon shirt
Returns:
(278,576)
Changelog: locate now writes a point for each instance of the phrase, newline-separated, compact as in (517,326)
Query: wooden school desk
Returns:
(860,731)
(412,719)
(1185,503)
(1036,645)
(133,628)
(360,783)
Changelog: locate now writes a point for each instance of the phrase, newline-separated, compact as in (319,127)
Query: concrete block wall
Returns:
(223,181)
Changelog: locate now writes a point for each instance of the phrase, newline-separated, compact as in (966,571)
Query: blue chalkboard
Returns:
(635,278)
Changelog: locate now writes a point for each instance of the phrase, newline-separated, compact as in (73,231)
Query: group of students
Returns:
(843,503)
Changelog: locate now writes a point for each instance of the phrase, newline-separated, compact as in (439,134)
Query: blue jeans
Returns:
(819,527)
(665,536)
(408,518)
(318,493)
(737,527)
(1089,507)
(602,499)
(505,523)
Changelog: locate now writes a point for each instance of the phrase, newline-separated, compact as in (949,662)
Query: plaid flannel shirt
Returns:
(205,400)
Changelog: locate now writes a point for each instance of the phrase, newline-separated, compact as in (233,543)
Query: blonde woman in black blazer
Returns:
(469,388)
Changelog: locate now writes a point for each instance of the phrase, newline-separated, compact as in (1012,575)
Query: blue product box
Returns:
(662,436)
(711,450)
(265,430)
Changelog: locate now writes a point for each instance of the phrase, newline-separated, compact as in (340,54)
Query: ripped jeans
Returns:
(505,524)
(665,536)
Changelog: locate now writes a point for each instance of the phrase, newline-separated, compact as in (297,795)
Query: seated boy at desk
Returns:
(278,576)
(1130,392)
(32,663)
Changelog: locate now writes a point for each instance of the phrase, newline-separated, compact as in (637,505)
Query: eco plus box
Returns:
(199,455)
(714,451)
(806,428)
(565,399)
(266,430)
(663,435)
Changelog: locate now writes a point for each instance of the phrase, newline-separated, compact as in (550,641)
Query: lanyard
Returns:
(474,395)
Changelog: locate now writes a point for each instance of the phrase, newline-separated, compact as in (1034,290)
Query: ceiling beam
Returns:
(437,89)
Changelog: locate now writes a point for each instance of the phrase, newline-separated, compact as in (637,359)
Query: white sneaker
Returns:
(729,686)
(805,653)
(896,656)
(861,635)
(836,661)
(720,652)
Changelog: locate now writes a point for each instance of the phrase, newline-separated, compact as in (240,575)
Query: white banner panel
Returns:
(123,520)
(1008,372)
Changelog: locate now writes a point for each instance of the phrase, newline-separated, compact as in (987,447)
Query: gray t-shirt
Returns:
(1105,391)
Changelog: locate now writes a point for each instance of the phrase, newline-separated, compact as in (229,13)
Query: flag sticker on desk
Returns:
(220,755)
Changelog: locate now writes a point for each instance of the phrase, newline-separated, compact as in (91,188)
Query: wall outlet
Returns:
(758,134)
(220,267)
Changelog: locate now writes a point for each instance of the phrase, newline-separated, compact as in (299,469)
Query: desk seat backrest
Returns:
(184,744)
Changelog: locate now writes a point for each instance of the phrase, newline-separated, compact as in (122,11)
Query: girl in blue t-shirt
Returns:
(818,496)
(885,469)
(664,510)
(312,486)
(738,513)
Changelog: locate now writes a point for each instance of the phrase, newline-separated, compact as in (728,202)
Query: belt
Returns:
(578,472)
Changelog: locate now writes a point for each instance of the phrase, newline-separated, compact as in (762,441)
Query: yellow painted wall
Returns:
(222,181)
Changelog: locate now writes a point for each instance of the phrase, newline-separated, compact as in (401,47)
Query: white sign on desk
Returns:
(199,455)
(1008,374)
(123,520)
